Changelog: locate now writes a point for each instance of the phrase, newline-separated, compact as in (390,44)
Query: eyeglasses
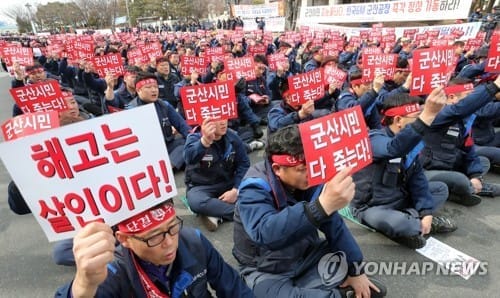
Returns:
(155,240)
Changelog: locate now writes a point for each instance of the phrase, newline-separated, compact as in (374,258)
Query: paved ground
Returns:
(27,269)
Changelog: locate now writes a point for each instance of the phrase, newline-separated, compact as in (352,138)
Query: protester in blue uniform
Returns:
(276,224)
(156,257)
(121,97)
(216,161)
(392,193)
(146,86)
(449,153)
(362,92)
(485,136)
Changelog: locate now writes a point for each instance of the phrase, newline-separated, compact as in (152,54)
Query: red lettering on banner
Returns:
(106,197)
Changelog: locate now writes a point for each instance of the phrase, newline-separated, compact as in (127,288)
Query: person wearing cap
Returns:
(32,74)
(121,97)
(316,58)
(146,86)
(277,221)
(449,154)
(156,257)
(362,92)
(463,58)
(216,161)
(166,81)
(392,193)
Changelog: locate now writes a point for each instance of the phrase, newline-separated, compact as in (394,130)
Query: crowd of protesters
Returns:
(276,215)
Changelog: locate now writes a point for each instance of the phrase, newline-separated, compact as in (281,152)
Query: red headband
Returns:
(287,160)
(147,220)
(144,82)
(458,88)
(402,110)
(403,69)
(359,81)
(35,70)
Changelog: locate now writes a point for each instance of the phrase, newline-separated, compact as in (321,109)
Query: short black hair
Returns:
(285,140)
(145,75)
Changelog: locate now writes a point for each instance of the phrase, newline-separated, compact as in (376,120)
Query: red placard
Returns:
(334,75)
(371,50)
(27,124)
(45,96)
(190,64)
(431,68)
(493,60)
(240,67)
(22,55)
(276,59)
(334,142)
(210,53)
(214,100)
(374,64)
(135,57)
(111,63)
(258,48)
(306,86)
(151,50)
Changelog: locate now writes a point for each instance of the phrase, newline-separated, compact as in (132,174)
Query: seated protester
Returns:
(62,251)
(188,80)
(238,50)
(276,78)
(174,61)
(485,137)
(258,90)
(291,53)
(316,58)
(96,87)
(146,86)
(399,83)
(332,91)
(121,97)
(348,57)
(449,153)
(276,224)
(214,68)
(286,113)
(463,57)
(33,74)
(166,81)
(157,259)
(362,92)
(216,161)
(473,70)
(392,194)
(247,123)
(406,48)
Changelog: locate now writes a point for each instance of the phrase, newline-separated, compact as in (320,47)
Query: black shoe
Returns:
(257,131)
(263,121)
(467,200)
(441,224)
(348,292)
(413,242)
(489,190)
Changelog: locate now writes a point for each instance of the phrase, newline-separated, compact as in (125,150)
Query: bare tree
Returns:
(20,15)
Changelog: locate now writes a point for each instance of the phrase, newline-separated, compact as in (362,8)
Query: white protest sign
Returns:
(452,260)
(103,169)
(401,10)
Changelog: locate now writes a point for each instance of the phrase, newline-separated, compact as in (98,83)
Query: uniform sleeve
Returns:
(177,121)
(193,149)
(224,279)
(278,118)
